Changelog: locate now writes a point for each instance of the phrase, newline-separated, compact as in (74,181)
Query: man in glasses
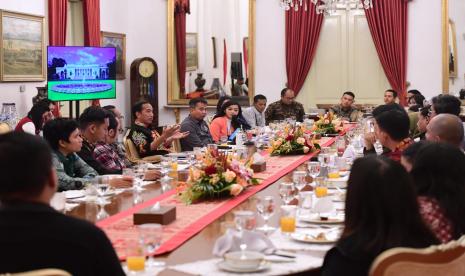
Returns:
(285,108)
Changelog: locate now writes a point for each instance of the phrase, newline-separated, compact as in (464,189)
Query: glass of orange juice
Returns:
(333,172)
(321,189)
(288,219)
(135,256)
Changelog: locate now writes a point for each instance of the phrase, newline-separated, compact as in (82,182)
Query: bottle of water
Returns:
(240,137)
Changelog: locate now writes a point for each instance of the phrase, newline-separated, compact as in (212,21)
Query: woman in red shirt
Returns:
(35,119)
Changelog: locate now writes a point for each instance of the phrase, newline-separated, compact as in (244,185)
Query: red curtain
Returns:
(302,34)
(57,13)
(181,7)
(91,9)
(388,26)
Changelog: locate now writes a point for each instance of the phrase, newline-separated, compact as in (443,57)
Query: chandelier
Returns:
(326,7)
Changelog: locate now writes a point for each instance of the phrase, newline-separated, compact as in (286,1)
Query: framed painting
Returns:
(22,56)
(192,54)
(119,42)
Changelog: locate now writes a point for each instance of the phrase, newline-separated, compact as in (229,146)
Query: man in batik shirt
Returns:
(286,108)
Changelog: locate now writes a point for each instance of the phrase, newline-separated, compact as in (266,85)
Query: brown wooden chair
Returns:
(445,259)
(40,272)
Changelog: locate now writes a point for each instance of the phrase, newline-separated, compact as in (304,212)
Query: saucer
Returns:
(308,238)
(223,265)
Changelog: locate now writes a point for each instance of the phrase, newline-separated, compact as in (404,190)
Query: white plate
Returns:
(71,194)
(177,154)
(309,238)
(224,266)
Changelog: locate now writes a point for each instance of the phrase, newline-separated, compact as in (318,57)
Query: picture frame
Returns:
(117,40)
(192,54)
(452,50)
(215,65)
(22,56)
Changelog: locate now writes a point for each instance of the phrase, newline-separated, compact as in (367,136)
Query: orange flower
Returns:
(236,189)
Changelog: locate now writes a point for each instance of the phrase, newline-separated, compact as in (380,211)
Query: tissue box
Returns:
(165,215)
(258,167)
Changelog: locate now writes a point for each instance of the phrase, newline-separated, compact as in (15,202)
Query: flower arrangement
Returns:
(292,140)
(219,175)
(328,124)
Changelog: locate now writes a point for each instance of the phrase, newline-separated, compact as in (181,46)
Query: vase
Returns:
(200,82)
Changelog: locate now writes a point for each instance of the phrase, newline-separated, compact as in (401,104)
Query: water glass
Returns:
(266,207)
(198,153)
(314,169)
(298,177)
(151,235)
(286,191)
(244,220)
(325,159)
(305,202)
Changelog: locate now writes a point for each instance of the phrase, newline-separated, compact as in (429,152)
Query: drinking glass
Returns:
(325,159)
(378,147)
(135,257)
(165,165)
(314,169)
(286,191)
(305,202)
(321,189)
(287,221)
(298,177)
(333,172)
(139,175)
(244,220)
(101,184)
(340,145)
(265,207)
(198,153)
(151,235)
(224,140)
(165,182)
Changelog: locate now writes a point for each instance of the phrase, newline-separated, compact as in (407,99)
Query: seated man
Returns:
(255,115)
(104,153)
(194,124)
(147,141)
(32,234)
(285,108)
(93,123)
(445,128)
(390,96)
(391,129)
(64,138)
(118,145)
(345,109)
(445,104)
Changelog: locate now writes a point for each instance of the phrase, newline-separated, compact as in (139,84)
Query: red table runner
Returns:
(191,219)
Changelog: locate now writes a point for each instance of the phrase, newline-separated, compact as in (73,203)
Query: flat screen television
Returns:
(81,73)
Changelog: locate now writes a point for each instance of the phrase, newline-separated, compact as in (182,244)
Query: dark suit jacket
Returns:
(35,236)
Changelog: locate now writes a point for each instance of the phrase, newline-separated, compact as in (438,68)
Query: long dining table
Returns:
(199,244)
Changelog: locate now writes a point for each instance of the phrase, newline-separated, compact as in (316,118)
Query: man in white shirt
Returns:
(255,115)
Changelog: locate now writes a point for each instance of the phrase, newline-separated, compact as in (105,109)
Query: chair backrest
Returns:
(130,148)
(40,272)
(445,259)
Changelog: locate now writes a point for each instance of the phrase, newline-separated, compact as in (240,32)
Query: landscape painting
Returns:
(22,54)
(119,42)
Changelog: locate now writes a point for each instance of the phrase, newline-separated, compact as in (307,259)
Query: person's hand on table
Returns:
(125,181)
(152,175)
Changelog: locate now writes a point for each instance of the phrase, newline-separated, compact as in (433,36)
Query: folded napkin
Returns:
(349,152)
(324,205)
(231,240)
